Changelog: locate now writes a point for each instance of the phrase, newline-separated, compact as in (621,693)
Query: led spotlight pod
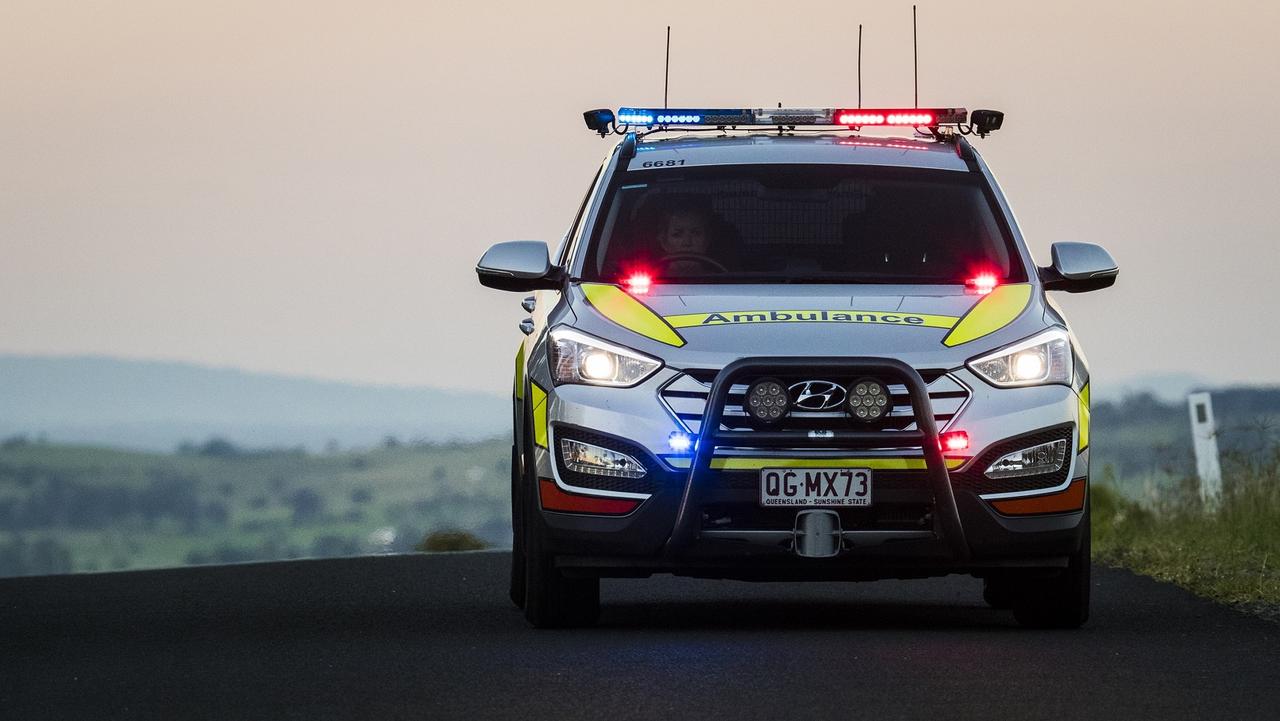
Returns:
(599,120)
(868,400)
(986,121)
(766,401)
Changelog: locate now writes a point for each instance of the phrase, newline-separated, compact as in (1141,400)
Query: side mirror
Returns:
(1079,268)
(519,265)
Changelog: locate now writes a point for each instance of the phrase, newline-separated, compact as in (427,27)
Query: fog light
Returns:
(596,460)
(868,400)
(1033,461)
(766,401)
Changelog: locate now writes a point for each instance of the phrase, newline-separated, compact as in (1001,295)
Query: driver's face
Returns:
(686,233)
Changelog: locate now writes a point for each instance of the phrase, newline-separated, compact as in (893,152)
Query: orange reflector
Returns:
(1071,499)
(554,499)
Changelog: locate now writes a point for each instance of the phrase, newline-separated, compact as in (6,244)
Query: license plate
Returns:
(815,486)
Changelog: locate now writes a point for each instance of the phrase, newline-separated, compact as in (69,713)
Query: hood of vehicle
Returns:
(707,326)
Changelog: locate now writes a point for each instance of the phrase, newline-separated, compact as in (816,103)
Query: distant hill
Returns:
(1165,387)
(157,405)
(1142,435)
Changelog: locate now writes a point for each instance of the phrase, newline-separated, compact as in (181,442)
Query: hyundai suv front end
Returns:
(798,355)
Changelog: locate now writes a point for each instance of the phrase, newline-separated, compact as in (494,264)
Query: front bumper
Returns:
(943,525)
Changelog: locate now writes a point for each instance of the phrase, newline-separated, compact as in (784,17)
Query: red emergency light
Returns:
(638,283)
(953,441)
(909,117)
(983,283)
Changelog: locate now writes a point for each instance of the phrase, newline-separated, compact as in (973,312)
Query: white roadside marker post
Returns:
(1204,436)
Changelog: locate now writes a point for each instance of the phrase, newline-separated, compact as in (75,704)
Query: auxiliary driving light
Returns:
(766,401)
(868,400)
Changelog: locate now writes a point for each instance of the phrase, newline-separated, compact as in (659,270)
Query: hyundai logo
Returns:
(816,395)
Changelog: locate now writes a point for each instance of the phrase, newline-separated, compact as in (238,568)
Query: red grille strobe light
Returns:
(900,117)
(953,441)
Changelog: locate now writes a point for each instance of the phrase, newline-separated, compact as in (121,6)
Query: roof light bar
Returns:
(850,117)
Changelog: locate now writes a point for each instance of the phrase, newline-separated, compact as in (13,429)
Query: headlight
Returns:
(1039,360)
(579,358)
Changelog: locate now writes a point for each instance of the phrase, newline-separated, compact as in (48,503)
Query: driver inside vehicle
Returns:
(685,238)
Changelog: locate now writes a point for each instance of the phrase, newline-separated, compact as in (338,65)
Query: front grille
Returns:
(686,398)
(975,479)
(646,484)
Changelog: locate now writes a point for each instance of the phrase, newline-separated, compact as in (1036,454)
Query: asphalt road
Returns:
(426,637)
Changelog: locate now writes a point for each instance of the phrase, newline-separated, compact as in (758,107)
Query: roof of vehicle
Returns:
(756,148)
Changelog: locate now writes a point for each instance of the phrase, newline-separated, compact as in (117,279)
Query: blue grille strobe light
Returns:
(681,442)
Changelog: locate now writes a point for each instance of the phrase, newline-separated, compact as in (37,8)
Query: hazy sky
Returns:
(305,187)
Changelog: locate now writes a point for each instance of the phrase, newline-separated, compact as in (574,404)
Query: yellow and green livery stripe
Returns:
(539,399)
(996,310)
(841,315)
(518,383)
(619,307)
(1084,417)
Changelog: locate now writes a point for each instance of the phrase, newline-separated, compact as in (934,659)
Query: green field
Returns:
(67,508)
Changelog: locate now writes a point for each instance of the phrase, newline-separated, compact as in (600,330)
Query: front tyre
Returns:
(1061,601)
(516,588)
(551,599)
(998,593)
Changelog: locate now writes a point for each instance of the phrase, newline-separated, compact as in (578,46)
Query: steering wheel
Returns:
(696,258)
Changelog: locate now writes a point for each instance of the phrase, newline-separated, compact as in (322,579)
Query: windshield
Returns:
(786,223)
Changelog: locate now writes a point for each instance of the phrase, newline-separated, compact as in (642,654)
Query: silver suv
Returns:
(774,345)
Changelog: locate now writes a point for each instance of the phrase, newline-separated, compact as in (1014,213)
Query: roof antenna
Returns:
(859,65)
(666,75)
(915,50)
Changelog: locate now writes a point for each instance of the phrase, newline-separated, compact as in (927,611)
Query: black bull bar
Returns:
(946,518)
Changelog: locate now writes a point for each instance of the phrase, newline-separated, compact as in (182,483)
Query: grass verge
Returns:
(1230,553)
